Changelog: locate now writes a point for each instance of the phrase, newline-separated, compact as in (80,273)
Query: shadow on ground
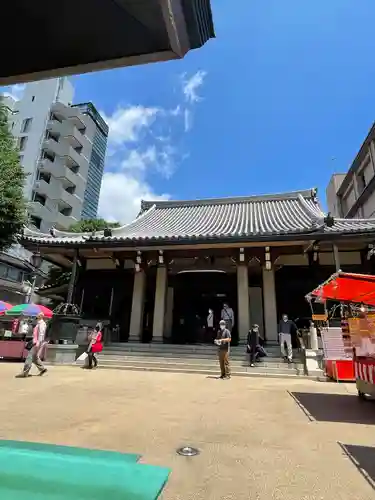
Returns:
(344,408)
(363,457)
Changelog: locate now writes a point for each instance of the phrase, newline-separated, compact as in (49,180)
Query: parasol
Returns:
(29,310)
(4,306)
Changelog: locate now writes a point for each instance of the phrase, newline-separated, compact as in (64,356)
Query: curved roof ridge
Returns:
(119,230)
(306,193)
(316,215)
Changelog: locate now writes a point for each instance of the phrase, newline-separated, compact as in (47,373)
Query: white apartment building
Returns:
(55,142)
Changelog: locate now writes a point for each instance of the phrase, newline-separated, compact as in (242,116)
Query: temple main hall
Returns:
(155,279)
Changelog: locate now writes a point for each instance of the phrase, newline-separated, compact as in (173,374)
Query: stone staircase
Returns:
(199,359)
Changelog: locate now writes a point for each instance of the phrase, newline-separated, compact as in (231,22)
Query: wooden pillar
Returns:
(138,302)
(160,302)
(243,316)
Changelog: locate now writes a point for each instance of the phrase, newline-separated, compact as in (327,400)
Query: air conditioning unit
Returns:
(37,185)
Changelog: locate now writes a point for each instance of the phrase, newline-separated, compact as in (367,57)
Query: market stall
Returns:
(16,329)
(355,294)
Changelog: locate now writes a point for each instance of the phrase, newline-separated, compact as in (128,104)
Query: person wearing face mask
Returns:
(286,327)
(223,341)
(254,347)
(228,316)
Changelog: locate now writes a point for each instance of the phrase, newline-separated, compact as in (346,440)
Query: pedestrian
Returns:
(252,343)
(286,327)
(95,346)
(223,341)
(35,347)
(227,315)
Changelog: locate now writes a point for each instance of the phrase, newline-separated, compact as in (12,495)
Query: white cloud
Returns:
(126,124)
(187,119)
(191,86)
(142,141)
(121,195)
(14,91)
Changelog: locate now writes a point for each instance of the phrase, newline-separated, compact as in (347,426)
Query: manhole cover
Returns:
(188,451)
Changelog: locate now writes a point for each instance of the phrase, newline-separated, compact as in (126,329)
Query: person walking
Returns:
(95,346)
(286,327)
(36,347)
(223,342)
(252,343)
(227,315)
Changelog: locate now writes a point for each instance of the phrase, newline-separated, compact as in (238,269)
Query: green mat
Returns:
(46,472)
(80,453)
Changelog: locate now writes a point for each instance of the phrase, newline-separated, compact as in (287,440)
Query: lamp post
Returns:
(36,262)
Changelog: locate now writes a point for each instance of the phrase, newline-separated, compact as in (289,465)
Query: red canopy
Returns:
(347,287)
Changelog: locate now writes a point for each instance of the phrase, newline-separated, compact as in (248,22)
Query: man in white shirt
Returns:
(227,315)
(39,334)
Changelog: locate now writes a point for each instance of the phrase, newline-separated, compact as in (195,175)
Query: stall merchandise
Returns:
(357,293)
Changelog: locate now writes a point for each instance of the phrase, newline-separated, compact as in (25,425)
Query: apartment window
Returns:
(20,159)
(362,181)
(22,143)
(75,169)
(55,117)
(66,211)
(44,177)
(10,273)
(38,198)
(48,156)
(71,190)
(35,221)
(26,125)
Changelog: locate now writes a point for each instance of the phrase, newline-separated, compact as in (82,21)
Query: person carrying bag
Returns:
(95,346)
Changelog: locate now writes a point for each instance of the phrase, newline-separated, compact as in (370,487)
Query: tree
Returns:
(12,179)
(90,225)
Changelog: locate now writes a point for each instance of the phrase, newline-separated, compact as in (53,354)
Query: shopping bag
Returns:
(82,357)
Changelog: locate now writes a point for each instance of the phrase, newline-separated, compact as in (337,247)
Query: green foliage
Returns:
(12,178)
(90,225)
(58,276)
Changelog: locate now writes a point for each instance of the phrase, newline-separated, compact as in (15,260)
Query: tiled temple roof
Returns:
(249,218)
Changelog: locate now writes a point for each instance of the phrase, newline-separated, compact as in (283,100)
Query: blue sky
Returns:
(281,99)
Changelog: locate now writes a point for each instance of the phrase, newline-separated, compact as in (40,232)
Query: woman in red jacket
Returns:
(96,345)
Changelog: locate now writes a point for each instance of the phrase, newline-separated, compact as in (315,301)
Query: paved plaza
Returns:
(260,439)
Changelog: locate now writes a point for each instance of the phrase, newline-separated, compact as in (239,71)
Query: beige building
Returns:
(352,195)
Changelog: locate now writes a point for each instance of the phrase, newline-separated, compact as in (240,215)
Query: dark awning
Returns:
(56,38)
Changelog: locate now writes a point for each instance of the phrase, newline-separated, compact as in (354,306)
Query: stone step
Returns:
(251,372)
(241,355)
(274,363)
(169,349)
(286,369)
(193,348)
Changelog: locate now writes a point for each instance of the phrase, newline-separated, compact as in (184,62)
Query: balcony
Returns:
(68,113)
(73,159)
(63,150)
(42,187)
(68,131)
(64,221)
(38,210)
(51,146)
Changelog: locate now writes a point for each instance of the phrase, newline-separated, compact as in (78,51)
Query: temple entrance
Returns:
(194,294)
